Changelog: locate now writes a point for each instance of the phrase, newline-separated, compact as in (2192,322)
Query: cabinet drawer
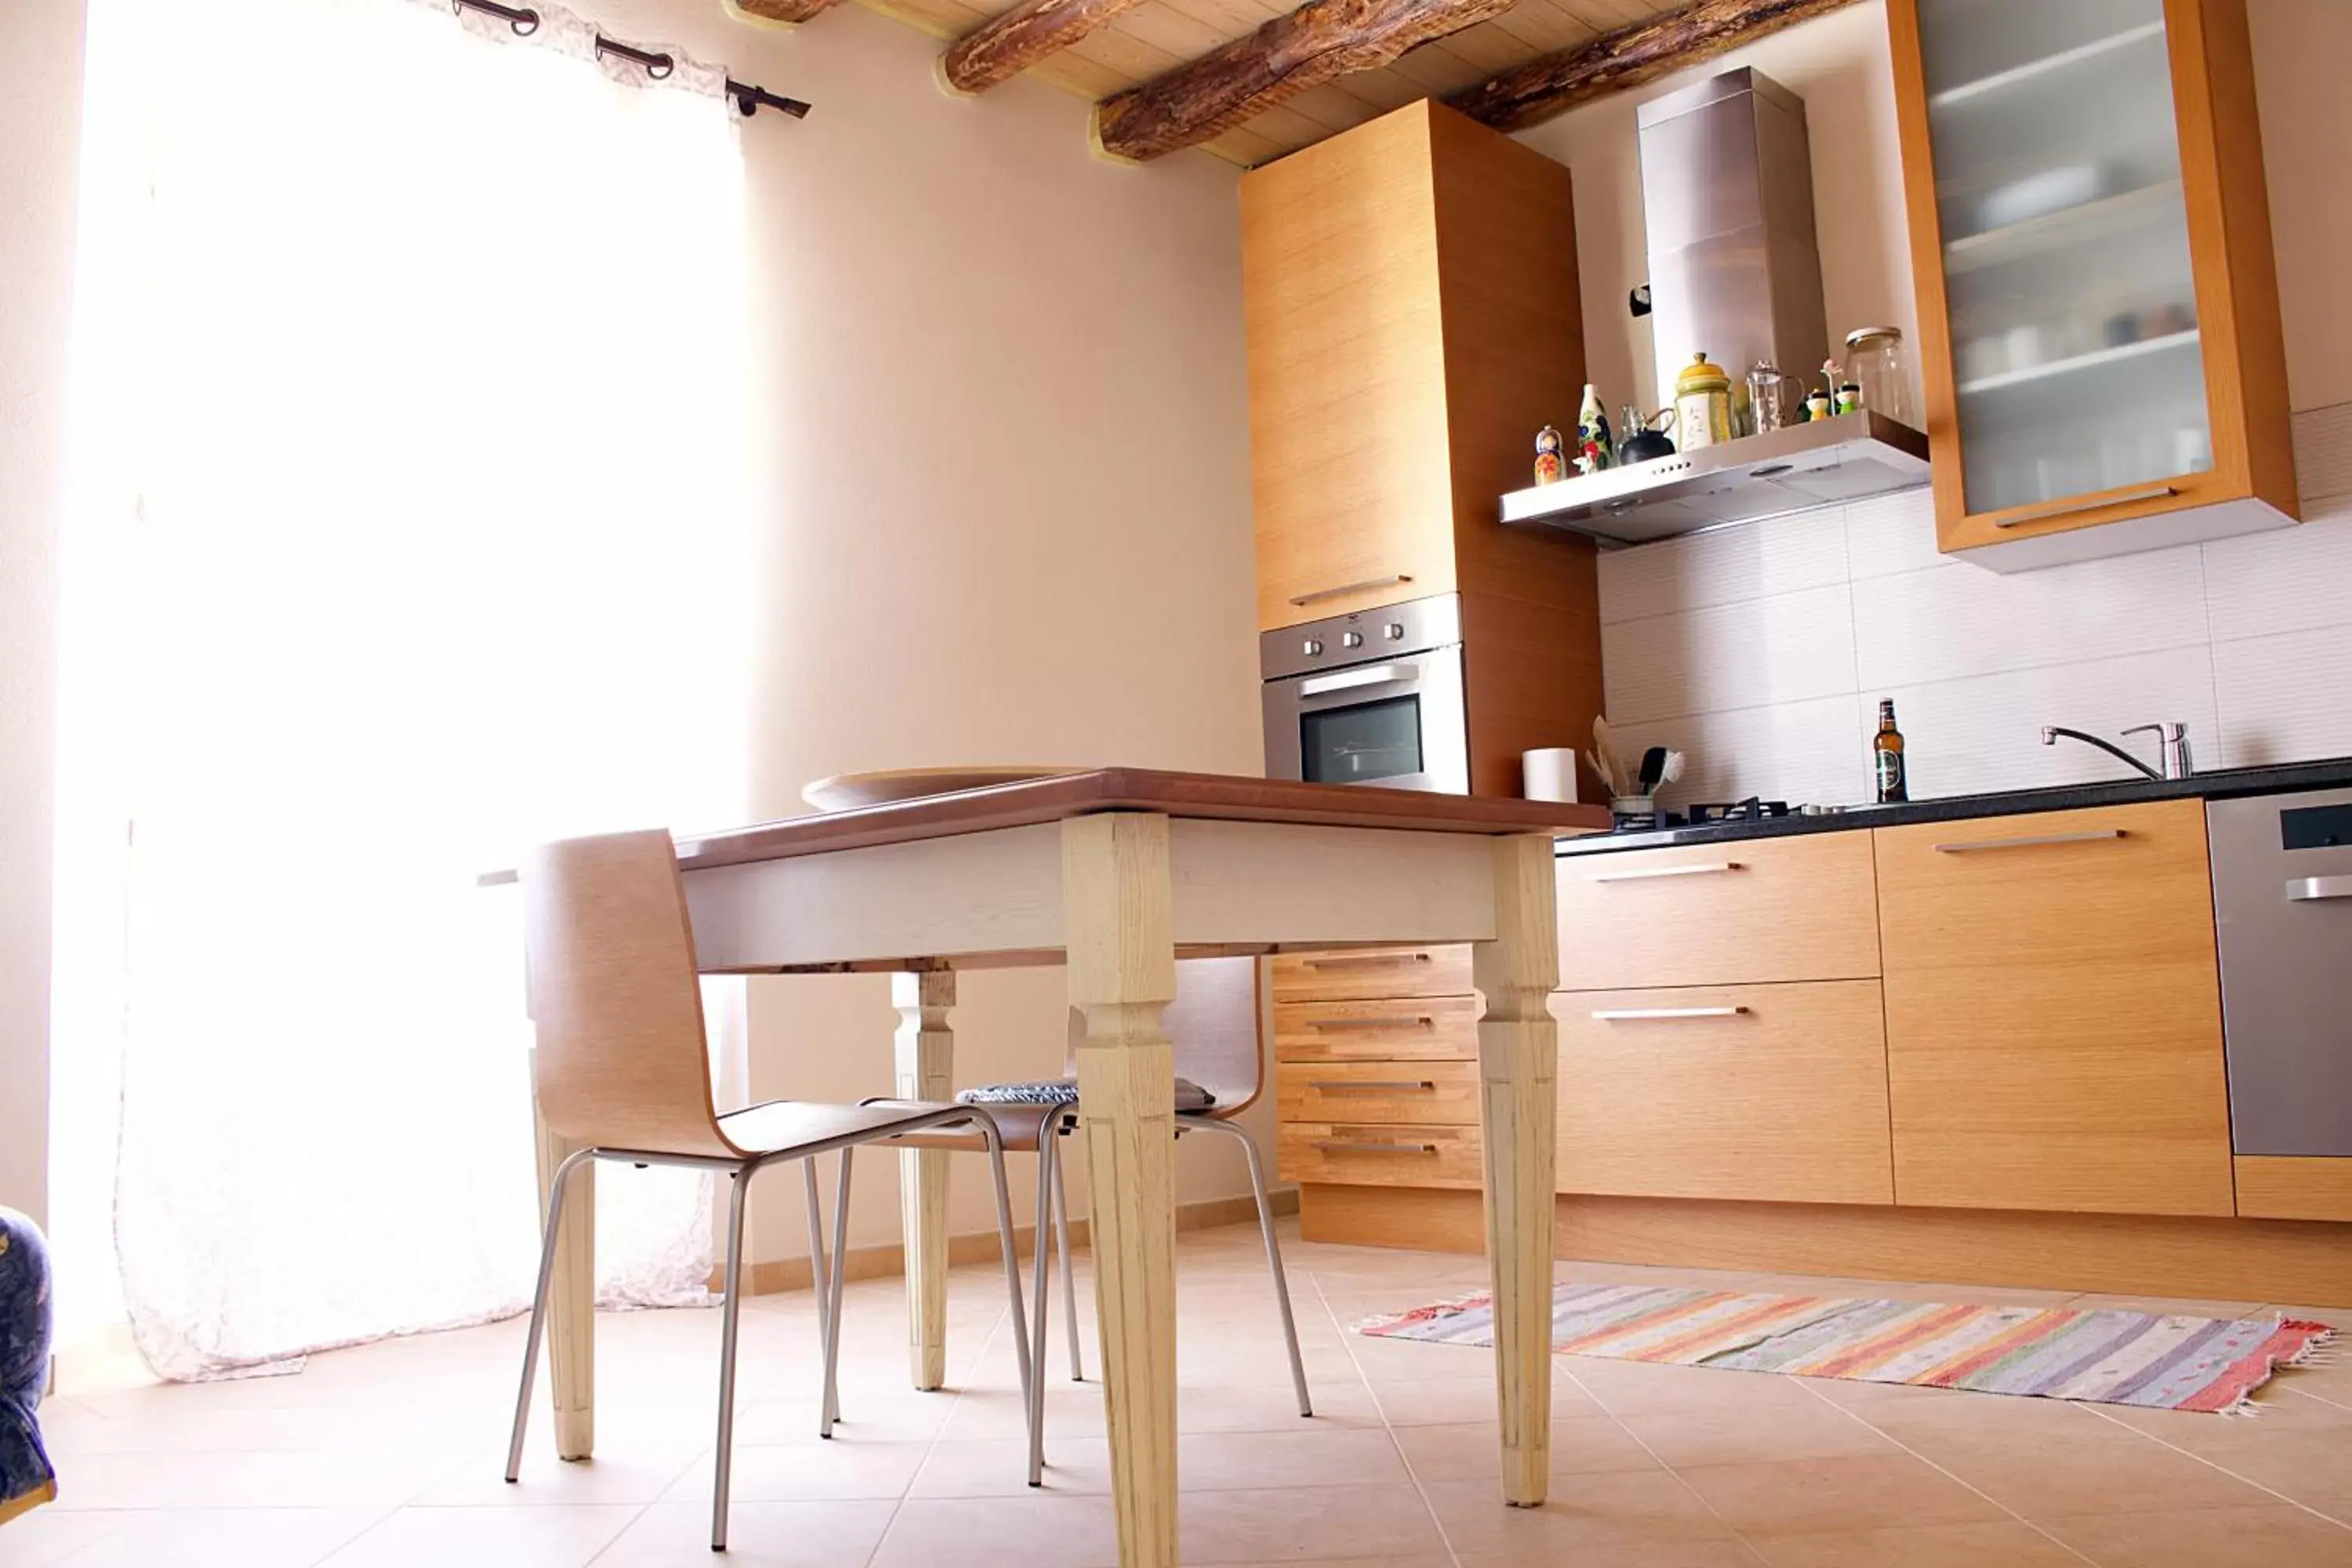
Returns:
(1416,1028)
(1438,1091)
(2053,1026)
(1776,1093)
(1381,1154)
(1745,913)
(1370,973)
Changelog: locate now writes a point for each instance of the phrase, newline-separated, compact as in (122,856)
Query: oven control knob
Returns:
(1312,647)
(1396,631)
(1352,639)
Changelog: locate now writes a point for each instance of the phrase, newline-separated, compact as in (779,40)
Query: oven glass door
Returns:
(1362,742)
(1398,724)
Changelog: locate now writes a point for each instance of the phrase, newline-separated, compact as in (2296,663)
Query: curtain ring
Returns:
(525,24)
(660,72)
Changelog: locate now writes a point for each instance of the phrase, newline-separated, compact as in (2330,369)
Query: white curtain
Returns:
(412,529)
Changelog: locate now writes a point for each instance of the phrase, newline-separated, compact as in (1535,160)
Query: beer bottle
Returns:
(1886,756)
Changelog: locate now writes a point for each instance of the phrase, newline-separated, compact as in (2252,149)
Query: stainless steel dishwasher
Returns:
(2283,905)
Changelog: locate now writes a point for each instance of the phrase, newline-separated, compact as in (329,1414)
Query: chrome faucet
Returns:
(2172,744)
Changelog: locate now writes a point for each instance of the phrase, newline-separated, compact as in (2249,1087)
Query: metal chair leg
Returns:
(1062,1242)
(538,1310)
(1032,1370)
(832,1309)
(1047,1169)
(819,1285)
(1272,1251)
(729,1311)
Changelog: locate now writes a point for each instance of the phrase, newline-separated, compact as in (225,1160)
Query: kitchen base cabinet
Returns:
(2053,1023)
(2287,1186)
(1760,1092)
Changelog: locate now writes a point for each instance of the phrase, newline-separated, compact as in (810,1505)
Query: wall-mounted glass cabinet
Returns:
(2090,236)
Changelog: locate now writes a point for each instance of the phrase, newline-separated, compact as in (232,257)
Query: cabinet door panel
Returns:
(2054,1026)
(1775,1093)
(1750,910)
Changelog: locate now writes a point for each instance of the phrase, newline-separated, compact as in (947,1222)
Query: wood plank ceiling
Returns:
(1530,59)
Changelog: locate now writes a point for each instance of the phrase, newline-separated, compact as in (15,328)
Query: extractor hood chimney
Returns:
(1727,194)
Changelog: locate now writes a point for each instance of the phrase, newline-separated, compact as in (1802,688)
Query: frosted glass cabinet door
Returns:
(2074,250)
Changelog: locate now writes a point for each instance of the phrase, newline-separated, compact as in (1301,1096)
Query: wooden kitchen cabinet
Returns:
(1409,292)
(2053,1024)
(1771,1093)
(2103,359)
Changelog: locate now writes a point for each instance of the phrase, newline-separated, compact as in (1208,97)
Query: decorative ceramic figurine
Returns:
(1595,448)
(1549,470)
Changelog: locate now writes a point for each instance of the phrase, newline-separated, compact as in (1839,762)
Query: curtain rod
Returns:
(748,99)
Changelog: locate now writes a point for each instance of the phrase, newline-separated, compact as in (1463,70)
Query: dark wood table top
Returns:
(1217,796)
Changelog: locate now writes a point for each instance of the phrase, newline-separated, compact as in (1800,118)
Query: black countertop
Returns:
(2335,773)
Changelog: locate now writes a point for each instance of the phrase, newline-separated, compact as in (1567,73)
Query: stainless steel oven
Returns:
(1369,697)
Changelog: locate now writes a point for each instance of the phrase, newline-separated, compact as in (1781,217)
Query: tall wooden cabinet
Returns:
(1413,319)
(2098,311)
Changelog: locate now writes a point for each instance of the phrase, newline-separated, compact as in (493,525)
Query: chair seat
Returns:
(1021,1125)
(781,1124)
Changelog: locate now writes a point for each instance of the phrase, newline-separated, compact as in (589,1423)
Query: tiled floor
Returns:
(392,1455)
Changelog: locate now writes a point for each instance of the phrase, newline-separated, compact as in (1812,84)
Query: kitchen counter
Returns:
(2329,773)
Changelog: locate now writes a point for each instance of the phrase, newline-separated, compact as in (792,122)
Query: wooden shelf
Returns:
(2068,226)
(2077,364)
(2000,82)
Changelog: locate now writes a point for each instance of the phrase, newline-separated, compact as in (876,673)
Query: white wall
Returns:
(1008,492)
(40,111)
(1763,651)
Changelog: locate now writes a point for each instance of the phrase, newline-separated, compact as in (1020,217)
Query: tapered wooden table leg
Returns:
(926,1071)
(1519,1056)
(571,1298)
(1122,958)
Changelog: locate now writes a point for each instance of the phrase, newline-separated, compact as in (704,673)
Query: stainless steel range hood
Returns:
(1746,480)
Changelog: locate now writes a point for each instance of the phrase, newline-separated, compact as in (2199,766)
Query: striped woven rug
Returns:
(2052,1353)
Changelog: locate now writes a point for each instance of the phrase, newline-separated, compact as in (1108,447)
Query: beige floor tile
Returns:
(1033,1532)
(2010,1545)
(2276,1537)
(1229,1461)
(1817,1495)
(486,1537)
(1753,1434)
(1641,1554)
(809,1472)
(621,1472)
(2298,1447)
(1338,1403)
(1304,1524)
(1582,1515)
(1628,1387)
(1447,1401)
(2078,1468)
(42,1536)
(998,1466)
(226,1538)
(1580,1444)
(759,1535)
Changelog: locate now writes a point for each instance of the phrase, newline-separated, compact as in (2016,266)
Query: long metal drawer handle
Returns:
(1373,1085)
(2308,889)
(1365,1146)
(1352,588)
(1347,680)
(1622,1014)
(2035,842)
(1423,1021)
(1705,869)
(2093,503)
(1361,960)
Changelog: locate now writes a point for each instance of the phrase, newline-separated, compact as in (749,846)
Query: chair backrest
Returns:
(1213,1022)
(620,1060)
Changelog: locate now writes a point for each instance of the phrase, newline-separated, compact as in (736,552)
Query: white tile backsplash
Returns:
(1763,651)
(1784,648)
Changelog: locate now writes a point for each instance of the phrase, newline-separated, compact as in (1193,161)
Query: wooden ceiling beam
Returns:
(1236,81)
(1554,83)
(1003,47)
(777,13)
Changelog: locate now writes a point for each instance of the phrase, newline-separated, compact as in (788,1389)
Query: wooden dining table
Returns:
(1118,873)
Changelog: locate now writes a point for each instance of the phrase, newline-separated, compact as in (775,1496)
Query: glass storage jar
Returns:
(1874,359)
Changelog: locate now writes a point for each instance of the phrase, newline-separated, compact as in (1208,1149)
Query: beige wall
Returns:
(1007,482)
(40,108)
(1839,66)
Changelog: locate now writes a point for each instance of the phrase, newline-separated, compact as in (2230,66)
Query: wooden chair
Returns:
(1213,1026)
(622,1067)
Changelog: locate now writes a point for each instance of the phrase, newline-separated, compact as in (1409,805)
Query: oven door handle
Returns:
(1347,680)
